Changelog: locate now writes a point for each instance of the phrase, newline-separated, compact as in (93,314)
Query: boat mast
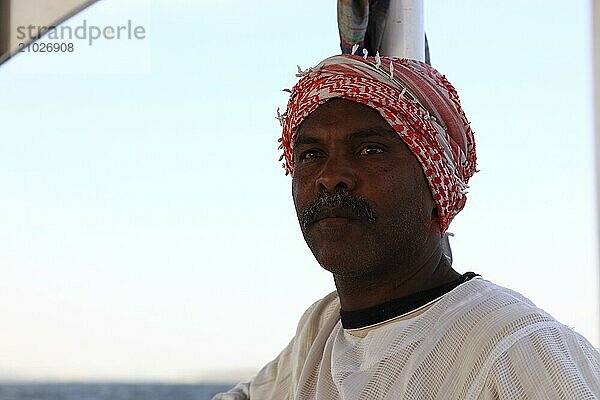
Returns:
(404,34)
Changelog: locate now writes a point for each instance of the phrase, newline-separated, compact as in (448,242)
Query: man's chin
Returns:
(339,261)
(339,251)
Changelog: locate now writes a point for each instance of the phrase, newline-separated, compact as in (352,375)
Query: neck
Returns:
(399,280)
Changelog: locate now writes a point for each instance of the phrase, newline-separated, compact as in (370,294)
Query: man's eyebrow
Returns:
(364,133)
(306,140)
(370,132)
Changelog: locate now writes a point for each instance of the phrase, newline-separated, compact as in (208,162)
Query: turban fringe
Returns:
(416,100)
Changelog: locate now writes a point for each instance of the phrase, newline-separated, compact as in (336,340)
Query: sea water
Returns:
(108,391)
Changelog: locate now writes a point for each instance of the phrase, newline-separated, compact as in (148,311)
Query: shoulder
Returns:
(501,310)
(319,315)
(278,379)
(516,345)
(481,300)
(502,316)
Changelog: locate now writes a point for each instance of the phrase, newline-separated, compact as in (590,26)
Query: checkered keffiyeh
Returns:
(416,100)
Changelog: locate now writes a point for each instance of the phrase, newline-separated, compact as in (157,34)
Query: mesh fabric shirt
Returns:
(479,341)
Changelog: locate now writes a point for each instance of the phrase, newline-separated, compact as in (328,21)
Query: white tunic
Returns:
(479,341)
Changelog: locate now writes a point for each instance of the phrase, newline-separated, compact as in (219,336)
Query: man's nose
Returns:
(336,174)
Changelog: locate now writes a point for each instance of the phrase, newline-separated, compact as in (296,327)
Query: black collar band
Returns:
(382,312)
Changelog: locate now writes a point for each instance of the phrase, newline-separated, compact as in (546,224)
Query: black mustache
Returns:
(341,200)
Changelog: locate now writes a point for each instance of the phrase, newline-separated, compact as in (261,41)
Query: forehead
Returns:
(339,116)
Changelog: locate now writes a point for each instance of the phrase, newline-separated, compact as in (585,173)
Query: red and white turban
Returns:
(416,100)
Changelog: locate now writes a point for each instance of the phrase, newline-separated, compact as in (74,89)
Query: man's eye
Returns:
(307,155)
(371,149)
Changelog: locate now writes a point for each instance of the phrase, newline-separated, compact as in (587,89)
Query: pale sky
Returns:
(148,230)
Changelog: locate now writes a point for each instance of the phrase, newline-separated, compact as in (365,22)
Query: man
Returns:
(380,154)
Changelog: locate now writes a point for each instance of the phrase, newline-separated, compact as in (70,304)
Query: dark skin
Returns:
(348,148)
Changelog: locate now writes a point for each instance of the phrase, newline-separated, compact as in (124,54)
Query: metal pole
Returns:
(596,68)
(404,34)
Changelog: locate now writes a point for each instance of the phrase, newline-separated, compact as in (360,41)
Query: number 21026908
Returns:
(46,48)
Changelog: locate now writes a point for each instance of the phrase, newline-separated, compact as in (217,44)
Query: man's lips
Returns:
(334,221)
(334,217)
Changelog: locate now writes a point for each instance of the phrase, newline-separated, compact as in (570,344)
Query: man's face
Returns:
(360,194)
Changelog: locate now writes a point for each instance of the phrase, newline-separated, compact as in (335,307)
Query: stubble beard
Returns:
(385,251)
